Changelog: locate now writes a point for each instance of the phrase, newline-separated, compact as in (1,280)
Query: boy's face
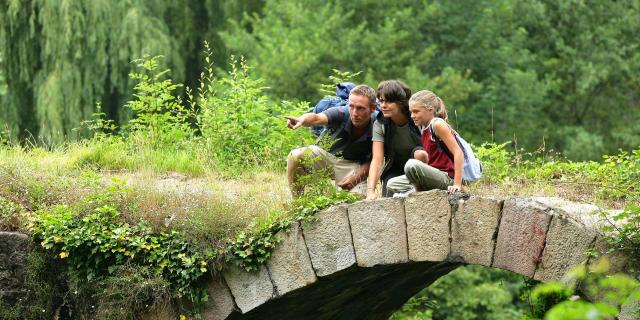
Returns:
(388,108)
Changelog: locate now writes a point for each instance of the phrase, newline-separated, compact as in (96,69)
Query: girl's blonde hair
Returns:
(426,99)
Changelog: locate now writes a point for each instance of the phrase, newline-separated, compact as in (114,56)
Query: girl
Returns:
(395,136)
(439,163)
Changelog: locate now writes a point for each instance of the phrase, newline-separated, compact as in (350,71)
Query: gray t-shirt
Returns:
(403,143)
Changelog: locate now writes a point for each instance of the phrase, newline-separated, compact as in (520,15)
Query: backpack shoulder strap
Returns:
(433,132)
(439,143)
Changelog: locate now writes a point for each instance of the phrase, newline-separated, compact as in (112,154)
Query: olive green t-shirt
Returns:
(402,143)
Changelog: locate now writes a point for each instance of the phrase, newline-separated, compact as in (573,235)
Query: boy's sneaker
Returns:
(404,194)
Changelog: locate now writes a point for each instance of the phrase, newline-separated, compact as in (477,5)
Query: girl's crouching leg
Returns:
(425,177)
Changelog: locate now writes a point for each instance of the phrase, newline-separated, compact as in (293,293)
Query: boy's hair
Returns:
(395,91)
(426,99)
(365,91)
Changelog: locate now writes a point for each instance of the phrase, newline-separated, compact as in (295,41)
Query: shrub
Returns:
(96,244)
(495,160)
(601,295)
(240,125)
(12,216)
(160,120)
(230,124)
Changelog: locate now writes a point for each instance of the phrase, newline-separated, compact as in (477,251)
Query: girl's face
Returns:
(420,115)
(389,109)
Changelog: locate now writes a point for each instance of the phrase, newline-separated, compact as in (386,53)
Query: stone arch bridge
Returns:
(365,260)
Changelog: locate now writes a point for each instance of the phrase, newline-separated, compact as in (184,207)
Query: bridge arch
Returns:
(364,260)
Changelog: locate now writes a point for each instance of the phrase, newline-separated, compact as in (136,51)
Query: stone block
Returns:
(220,304)
(428,217)
(329,241)
(566,246)
(474,229)
(289,265)
(585,213)
(521,236)
(379,231)
(249,289)
(14,248)
(630,310)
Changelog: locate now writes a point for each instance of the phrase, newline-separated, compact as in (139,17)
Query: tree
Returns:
(61,57)
(470,292)
(534,72)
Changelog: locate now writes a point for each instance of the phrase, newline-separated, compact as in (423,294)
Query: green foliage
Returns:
(495,160)
(338,76)
(469,292)
(3,81)
(545,296)
(126,293)
(623,233)
(96,244)
(253,247)
(239,124)
(12,215)
(615,179)
(582,145)
(314,181)
(570,310)
(605,294)
(159,118)
(525,71)
(62,57)
(623,174)
(100,126)
(306,51)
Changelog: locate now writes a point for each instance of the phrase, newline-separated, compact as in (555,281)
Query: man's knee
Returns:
(297,154)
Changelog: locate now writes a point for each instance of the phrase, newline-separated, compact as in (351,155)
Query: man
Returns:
(352,128)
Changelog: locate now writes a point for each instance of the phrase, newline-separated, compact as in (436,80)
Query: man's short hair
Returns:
(365,91)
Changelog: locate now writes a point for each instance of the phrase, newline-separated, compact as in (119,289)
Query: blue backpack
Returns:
(341,99)
(472,167)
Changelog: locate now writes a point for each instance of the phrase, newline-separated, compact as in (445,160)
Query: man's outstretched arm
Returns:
(307,120)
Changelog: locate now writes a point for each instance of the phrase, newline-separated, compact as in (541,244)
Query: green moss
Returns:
(44,286)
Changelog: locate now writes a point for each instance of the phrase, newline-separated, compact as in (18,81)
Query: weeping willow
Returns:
(59,58)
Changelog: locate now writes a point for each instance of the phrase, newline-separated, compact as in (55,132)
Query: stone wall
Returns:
(14,248)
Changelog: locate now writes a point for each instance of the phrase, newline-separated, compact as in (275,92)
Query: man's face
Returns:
(360,110)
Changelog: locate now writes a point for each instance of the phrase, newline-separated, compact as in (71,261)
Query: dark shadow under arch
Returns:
(354,293)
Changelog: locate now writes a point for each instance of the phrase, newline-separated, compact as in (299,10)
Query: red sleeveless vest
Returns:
(437,158)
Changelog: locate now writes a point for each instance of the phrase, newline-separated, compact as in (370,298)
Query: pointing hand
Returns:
(294,122)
